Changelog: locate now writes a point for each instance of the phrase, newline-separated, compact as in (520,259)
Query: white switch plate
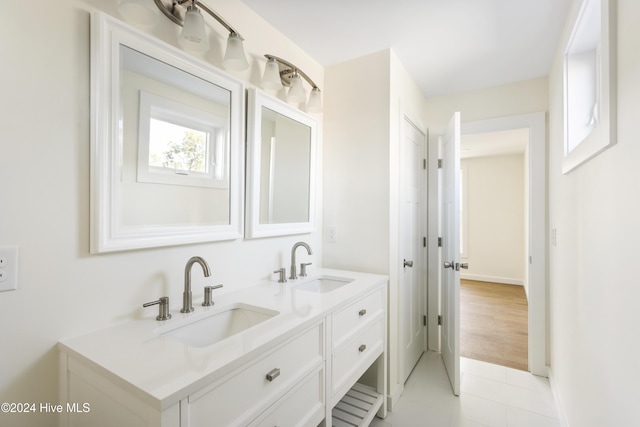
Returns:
(8,268)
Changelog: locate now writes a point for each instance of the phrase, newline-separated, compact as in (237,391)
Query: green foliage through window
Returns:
(180,148)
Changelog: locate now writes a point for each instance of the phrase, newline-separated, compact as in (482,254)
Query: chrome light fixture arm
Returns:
(287,69)
(174,10)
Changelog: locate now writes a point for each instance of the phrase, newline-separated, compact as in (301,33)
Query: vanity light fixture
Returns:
(279,73)
(193,37)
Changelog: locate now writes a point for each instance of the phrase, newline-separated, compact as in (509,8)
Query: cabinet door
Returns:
(241,396)
(347,321)
(302,406)
(352,359)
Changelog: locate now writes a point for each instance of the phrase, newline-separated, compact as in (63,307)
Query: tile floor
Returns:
(491,395)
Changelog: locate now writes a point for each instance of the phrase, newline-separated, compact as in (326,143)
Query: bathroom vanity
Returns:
(285,354)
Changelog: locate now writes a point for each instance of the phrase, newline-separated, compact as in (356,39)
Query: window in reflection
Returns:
(179,145)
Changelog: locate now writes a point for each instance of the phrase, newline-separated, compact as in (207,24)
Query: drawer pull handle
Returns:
(273,374)
(362,312)
(362,348)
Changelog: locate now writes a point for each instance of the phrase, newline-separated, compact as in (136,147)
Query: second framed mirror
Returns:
(281,168)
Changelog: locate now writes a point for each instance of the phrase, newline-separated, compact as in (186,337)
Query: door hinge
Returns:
(439,242)
(424,242)
(439,163)
(439,320)
(424,320)
(424,164)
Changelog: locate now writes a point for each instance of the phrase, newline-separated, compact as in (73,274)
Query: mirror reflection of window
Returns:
(179,148)
(179,145)
(175,146)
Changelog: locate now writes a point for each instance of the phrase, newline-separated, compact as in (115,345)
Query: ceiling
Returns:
(448,46)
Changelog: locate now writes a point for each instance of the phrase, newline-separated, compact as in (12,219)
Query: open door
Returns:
(451,251)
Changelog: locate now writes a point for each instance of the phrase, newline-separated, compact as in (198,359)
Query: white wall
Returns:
(495,218)
(44,201)
(364,103)
(356,155)
(593,272)
(528,96)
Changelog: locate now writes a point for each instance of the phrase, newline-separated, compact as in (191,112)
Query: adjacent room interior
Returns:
(494,177)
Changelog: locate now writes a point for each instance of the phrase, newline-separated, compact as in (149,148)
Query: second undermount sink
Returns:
(221,324)
(323,284)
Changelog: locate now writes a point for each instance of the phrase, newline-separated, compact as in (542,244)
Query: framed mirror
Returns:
(281,168)
(167,152)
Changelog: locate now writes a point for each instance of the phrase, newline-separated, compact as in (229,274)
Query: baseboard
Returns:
(556,399)
(501,280)
(392,398)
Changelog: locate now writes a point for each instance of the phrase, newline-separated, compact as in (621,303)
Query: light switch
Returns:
(8,268)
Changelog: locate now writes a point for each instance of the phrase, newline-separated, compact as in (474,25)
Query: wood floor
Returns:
(494,323)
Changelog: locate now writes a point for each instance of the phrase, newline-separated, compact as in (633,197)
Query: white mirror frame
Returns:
(598,82)
(107,35)
(253,228)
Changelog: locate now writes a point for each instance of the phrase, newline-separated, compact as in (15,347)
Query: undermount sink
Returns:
(221,324)
(323,284)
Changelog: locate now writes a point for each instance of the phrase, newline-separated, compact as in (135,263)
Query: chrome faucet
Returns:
(187,306)
(293,275)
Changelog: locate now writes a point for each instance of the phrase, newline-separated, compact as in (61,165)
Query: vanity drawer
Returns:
(302,406)
(239,397)
(349,319)
(352,359)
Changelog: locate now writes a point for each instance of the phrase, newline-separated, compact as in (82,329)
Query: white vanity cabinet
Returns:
(263,384)
(294,369)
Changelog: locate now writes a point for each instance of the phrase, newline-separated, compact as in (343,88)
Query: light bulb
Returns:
(296,91)
(234,57)
(271,78)
(193,36)
(314,105)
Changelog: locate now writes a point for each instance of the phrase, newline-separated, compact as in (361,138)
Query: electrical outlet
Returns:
(8,268)
(332,234)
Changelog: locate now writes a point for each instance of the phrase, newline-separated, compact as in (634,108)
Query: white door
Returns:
(412,252)
(451,251)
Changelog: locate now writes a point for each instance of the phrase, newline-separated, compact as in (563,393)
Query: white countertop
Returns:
(161,370)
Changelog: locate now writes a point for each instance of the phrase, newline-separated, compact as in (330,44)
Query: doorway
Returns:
(493,242)
(535,258)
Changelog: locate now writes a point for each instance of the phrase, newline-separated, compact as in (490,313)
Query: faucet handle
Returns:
(208,291)
(163,302)
(303,268)
(282,278)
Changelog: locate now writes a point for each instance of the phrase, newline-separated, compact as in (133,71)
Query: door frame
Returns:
(537,250)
